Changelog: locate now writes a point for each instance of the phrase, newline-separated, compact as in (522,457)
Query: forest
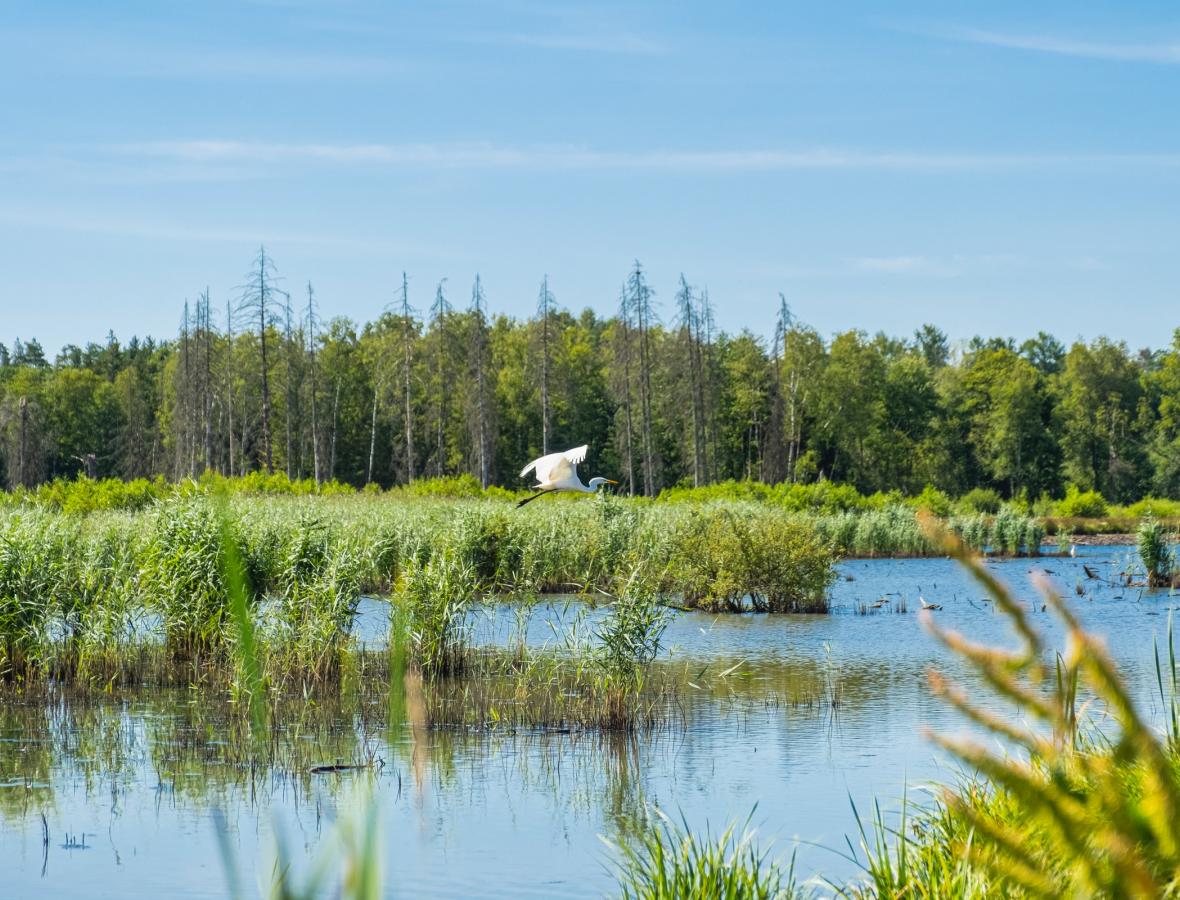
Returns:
(268,380)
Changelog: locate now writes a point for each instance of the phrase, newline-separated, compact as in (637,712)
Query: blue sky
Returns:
(990,167)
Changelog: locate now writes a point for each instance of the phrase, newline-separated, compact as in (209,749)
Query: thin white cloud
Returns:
(1159,52)
(934,266)
(162,230)
(623,43)
(904,265)
(216,152)
(112,55)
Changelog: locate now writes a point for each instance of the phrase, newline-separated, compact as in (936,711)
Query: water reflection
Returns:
(796,713)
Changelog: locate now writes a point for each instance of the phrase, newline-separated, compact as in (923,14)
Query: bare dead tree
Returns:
(709,384)
(773,457)
(408,374)
(258,304)
(184,411)
(544,312)
(690,339)
(312,322)
(23,434)
(335,421)
(640,297)
(205,320)
(440,315)
(480,417)
(229,380)
(289,367)
(623,353)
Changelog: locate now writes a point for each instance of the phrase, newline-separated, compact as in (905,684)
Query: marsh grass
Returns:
(662,859)
(430,606)
(1156,553)
(142,596)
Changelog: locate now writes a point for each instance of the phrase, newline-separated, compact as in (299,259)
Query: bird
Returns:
(559,472)
(926,605)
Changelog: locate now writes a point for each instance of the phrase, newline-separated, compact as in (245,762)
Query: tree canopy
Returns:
(663,403)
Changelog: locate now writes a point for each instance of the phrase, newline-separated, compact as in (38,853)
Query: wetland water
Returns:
(133,787)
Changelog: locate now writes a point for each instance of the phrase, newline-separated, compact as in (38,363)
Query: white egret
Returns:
(559,472)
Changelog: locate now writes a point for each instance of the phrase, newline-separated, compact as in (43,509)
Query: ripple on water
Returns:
(477,814)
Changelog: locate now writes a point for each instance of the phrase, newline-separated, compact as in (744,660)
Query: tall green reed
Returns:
(661,859)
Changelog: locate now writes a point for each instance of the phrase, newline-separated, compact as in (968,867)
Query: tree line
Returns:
(267,381)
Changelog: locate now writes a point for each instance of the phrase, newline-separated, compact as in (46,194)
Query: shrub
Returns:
(933,500)
(452,486)
(1156,552)
(1081,504)
(1155,508)
(777,563)
(981,500)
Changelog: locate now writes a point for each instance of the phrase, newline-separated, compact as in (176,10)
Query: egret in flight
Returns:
(559,472)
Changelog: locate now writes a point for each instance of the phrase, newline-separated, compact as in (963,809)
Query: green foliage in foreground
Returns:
(1063,813)
(665,860)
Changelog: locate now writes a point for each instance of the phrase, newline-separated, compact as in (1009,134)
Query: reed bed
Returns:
(117,595)
(142,595)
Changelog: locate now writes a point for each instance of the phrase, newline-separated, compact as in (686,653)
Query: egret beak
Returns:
(611,481)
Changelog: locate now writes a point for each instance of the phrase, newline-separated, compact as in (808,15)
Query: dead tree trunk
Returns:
(641,299)
(311,358)
(408,372)
(624,349)
(544,309)
(480,365)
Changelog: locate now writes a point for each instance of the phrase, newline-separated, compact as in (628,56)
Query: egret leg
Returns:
(532,498)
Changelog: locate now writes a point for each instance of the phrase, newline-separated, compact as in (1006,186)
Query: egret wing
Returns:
(560,472)
(545,467)
(556,467)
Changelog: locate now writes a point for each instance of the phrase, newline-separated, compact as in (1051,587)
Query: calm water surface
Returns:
(132,790)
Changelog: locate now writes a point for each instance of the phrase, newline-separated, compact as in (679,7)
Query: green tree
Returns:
(1011,422)
(1101,391)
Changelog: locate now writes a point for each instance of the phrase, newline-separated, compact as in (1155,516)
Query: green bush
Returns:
(1155,508)
(933,500)
(724,558)
(1081,504)
(981,500)
(1155,551)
